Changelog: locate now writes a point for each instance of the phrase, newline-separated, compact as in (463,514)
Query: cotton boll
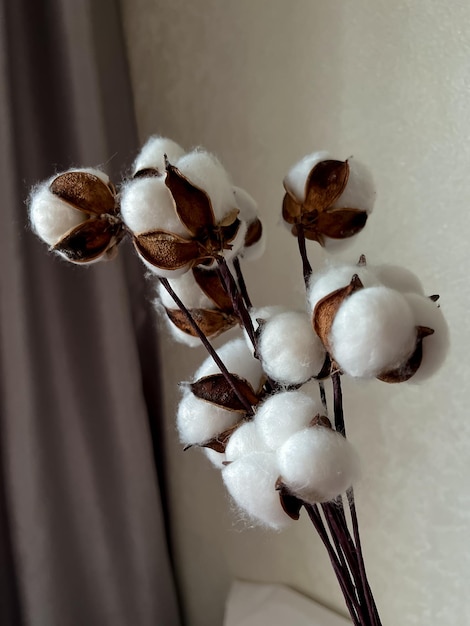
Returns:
(282,415)
(50,216)
(245,440)
(359,192)
(251,481)
(147,205)
(188,291)
(262,313)
(238,359)
(289,349)
(318,464)
(199,421)
(297,176)
(152,155)
(373,331)
(175,332)
(335,277)
(399,278)
(435,346)
(206,172)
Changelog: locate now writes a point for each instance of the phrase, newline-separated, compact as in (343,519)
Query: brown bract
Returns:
(208,238)
(101,229)
(216,389)
(212,321)
(289,502)
(323,188)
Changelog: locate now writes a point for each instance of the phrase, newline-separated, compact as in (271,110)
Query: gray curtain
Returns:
(82,532)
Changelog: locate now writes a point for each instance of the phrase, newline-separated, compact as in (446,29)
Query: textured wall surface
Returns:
(261,82)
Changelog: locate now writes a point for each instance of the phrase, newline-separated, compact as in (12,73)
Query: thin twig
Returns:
(307,268)
(228,377)
(341,575)
(237,299)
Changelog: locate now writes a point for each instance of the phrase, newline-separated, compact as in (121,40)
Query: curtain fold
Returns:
(82,529)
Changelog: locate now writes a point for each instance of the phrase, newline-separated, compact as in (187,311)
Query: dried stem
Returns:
(307,268)
(228,377)
(237,299)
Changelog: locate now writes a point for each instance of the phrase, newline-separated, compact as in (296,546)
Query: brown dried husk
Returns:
(212,322)
(85,192)
(217,390)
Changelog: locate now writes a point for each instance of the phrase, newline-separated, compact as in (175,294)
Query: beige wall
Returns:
(261,82)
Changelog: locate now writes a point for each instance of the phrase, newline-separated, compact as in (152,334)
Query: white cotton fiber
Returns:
(282,415)
(216,458)
(289,349)
(399,278)
(199,421)
(147,205)
(236,245)
(188,291)
(435,346)
(359,192)
(238,359)
(152,155)
(50,216)
(334,277)
(373,331)
(246,204)
(251,481)
(206,172)
(317,464)
(297,176)
(245,440)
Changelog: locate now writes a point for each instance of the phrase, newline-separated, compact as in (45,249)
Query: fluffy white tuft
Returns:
(147,204)
(290,350)
(153,154)
(199,421)
(360,191)
(238,359)
(282,415)
(188,291)
(245,440)
(251,481)
(297,176)
(318,464)
(206,172)
(435,346)
(373,331)
(246,204)
(334,277)
(399,278)
(216,458)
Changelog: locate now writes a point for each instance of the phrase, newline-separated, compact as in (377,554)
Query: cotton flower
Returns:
(328,199)
(76,214)
(185,218)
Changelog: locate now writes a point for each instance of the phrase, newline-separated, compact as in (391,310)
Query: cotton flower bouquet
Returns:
(257,406)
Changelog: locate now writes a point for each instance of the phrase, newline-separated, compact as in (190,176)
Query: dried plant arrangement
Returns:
(257,406)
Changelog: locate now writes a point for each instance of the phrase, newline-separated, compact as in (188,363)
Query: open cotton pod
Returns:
(327,199)
(76,213)
(251,481)
(289,349)
(185,218)
(156,152)
(317,464)
(369,332)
